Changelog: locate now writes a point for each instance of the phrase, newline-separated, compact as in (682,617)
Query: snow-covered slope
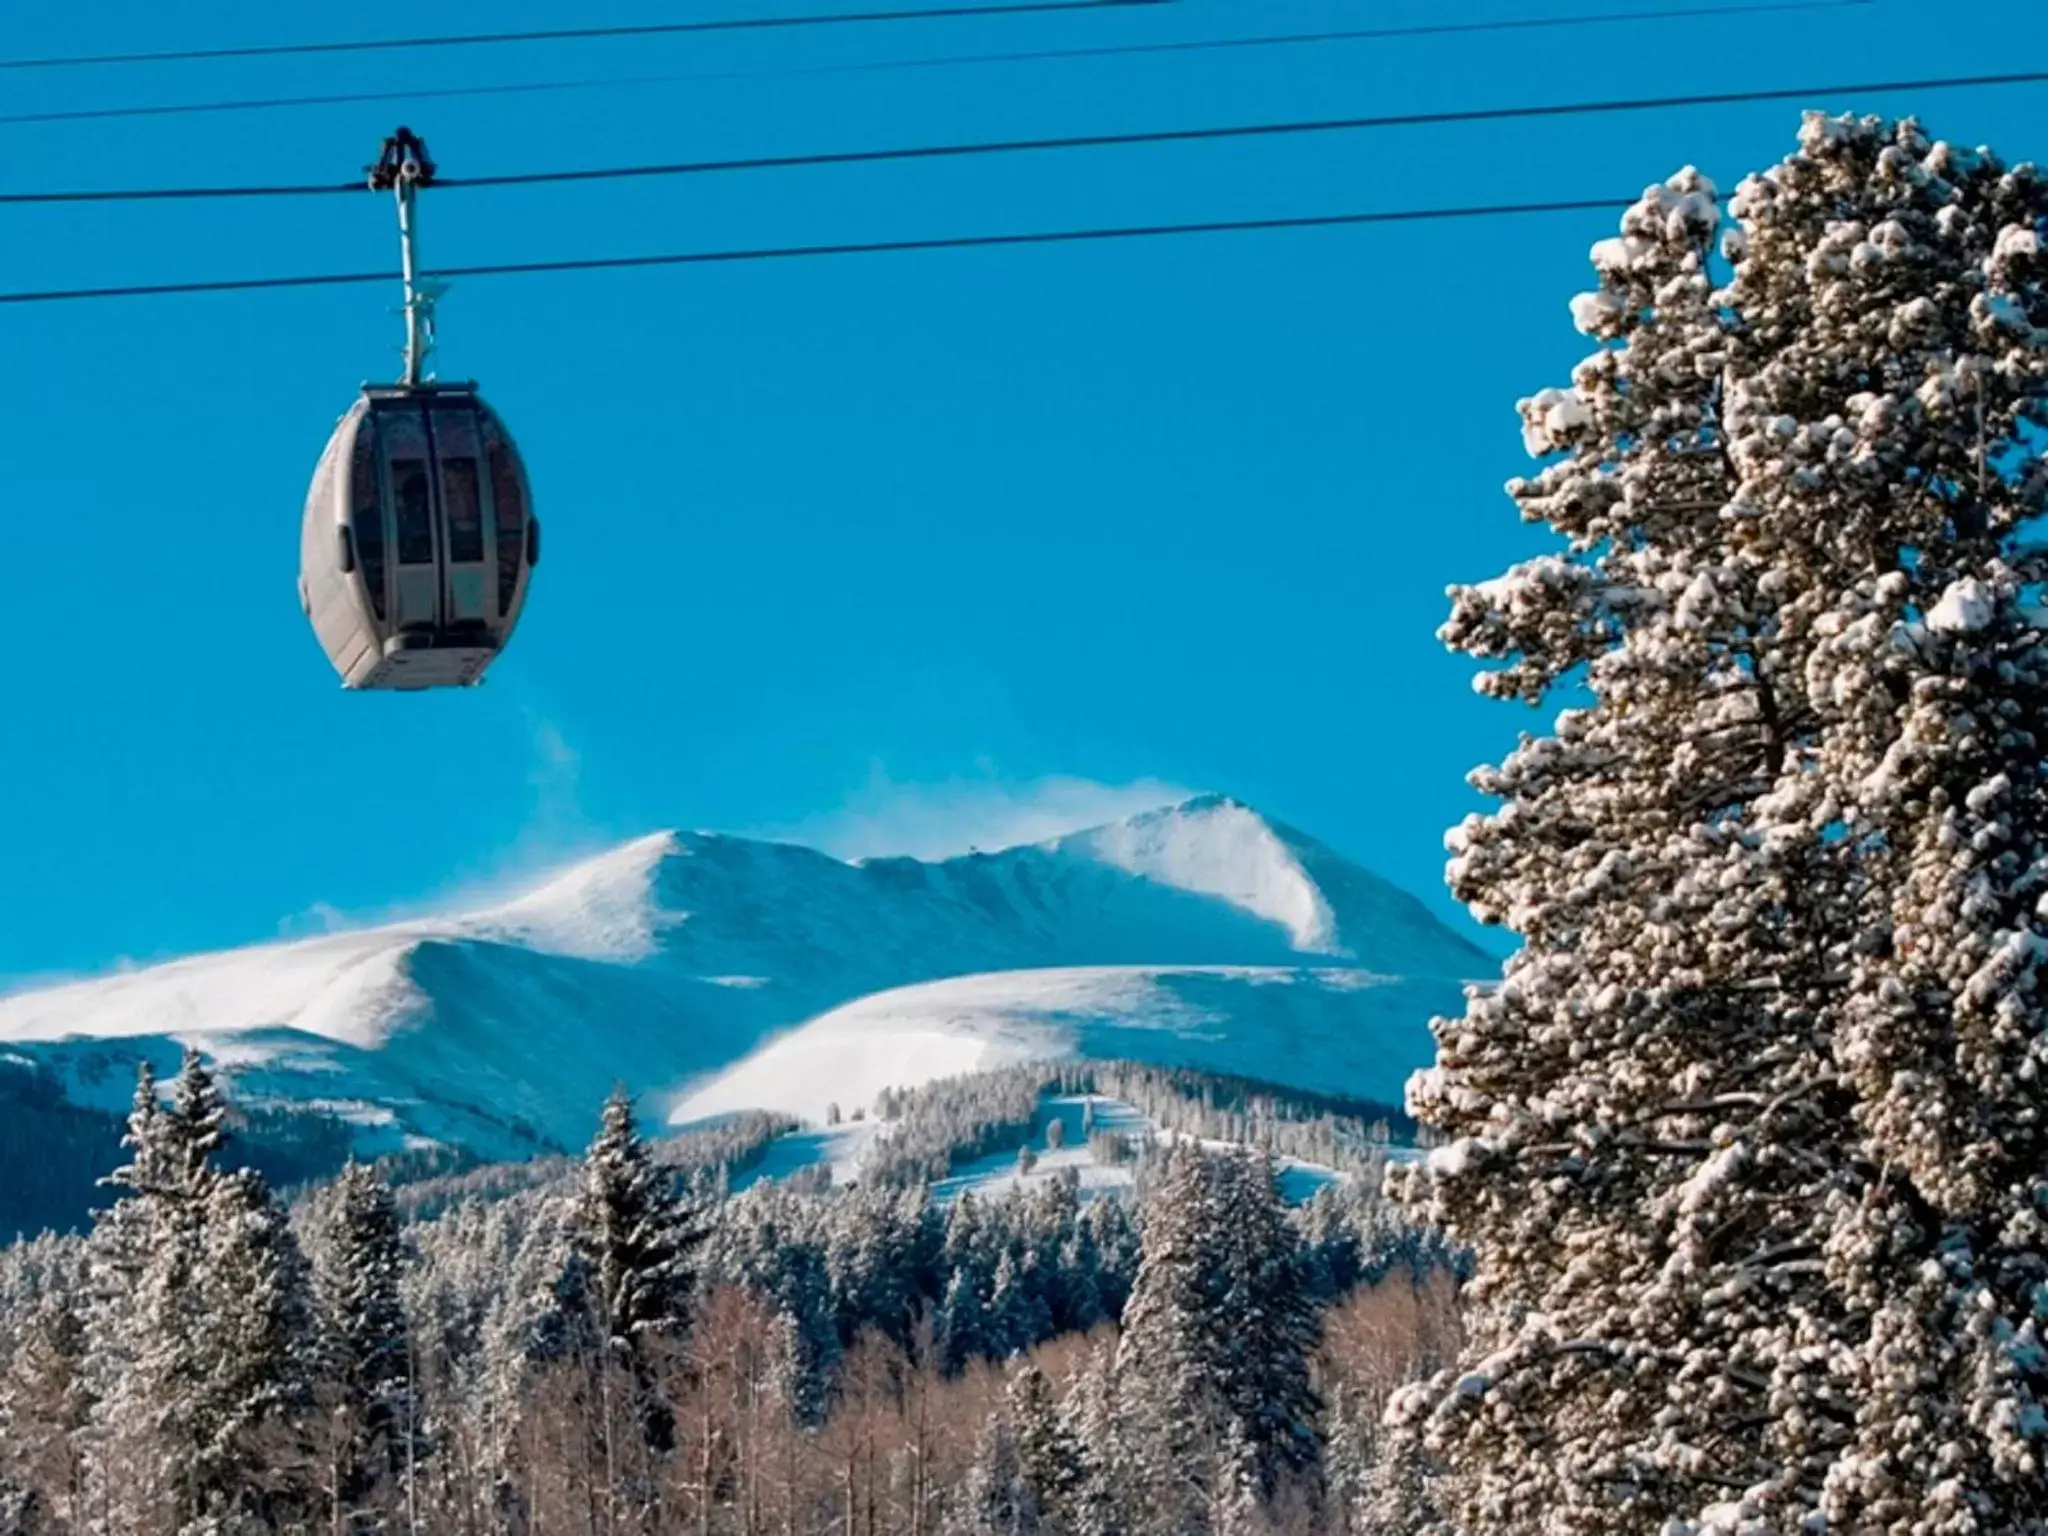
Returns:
(725,967)
(1326,1029)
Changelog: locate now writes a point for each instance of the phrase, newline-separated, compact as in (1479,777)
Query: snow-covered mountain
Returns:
(733,973)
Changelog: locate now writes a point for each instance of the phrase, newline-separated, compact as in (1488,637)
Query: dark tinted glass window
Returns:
(366,515)
(464,510)
(508,496)
(413,502)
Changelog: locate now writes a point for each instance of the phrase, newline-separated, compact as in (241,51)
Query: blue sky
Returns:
(913,550)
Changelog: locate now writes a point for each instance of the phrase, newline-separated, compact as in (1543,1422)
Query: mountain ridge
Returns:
(675,958)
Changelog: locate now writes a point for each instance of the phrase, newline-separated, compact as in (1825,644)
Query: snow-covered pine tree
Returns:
(875,1238)
(196,1328)
(45,1406)
(365,1362)
(988,1501)
(640,1238)
(966,1242)
(1345,1459)
(255,1345)
(1748,1141)
(1113,1246)
(636,1249)
(1049,1463)
(962,1333)
(1017,1315)
(135,1320)
(199,1114)
(1266,1325)
(1168,1366)
(1089,1422)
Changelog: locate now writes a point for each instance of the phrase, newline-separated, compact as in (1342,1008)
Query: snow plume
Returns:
(955,816)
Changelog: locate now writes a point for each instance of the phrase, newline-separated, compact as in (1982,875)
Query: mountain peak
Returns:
(1196,805)
(1214,845)
(600,909)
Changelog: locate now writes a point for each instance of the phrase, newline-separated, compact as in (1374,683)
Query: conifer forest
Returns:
(624,1344)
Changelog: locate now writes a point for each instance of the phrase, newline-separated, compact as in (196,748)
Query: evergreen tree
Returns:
(1017,1318)
(1236,1485)
(1049,1461)
(1089,1423)
(638,1238)
(962,1334)
(147,1141)
(1748,1141)
(45,1408)
(966,1245)
(254,1343)
(199,1115)
(990,1501)
(197,1325)
(633,1271)
(366,1355)
(1169,1385)
(1266,1323)
(1345,1461)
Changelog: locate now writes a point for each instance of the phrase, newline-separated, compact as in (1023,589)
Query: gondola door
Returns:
(466,589)
(408,462)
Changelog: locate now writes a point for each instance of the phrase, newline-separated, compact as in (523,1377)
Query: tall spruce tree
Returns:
(1749,1141)
(990,1500)
(634,1262)
(1168,1366)
(365,1360)
(961,1328)
(254,1340)
(1049,1464)
(1090,1423)
(197,1327)
(639,1237)
(1217,1339)
(1266,1323)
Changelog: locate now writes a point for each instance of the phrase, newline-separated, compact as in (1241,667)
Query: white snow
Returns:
(997,1175)
(1594,312)
(1965,608)
(1217,847)
(1311,1026)
(841,1147)
(349,987)
(2016,240)
(602,909)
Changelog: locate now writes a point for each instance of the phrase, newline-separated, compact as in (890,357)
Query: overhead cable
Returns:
(566,34)
(932,61)
(856,248)
(1076,141)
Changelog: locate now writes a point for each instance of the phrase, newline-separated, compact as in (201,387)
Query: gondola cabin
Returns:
(419,539)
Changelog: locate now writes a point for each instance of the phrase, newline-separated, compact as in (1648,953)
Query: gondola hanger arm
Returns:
(402,168)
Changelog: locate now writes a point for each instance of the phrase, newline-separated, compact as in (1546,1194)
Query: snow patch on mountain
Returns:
(1317,1028)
